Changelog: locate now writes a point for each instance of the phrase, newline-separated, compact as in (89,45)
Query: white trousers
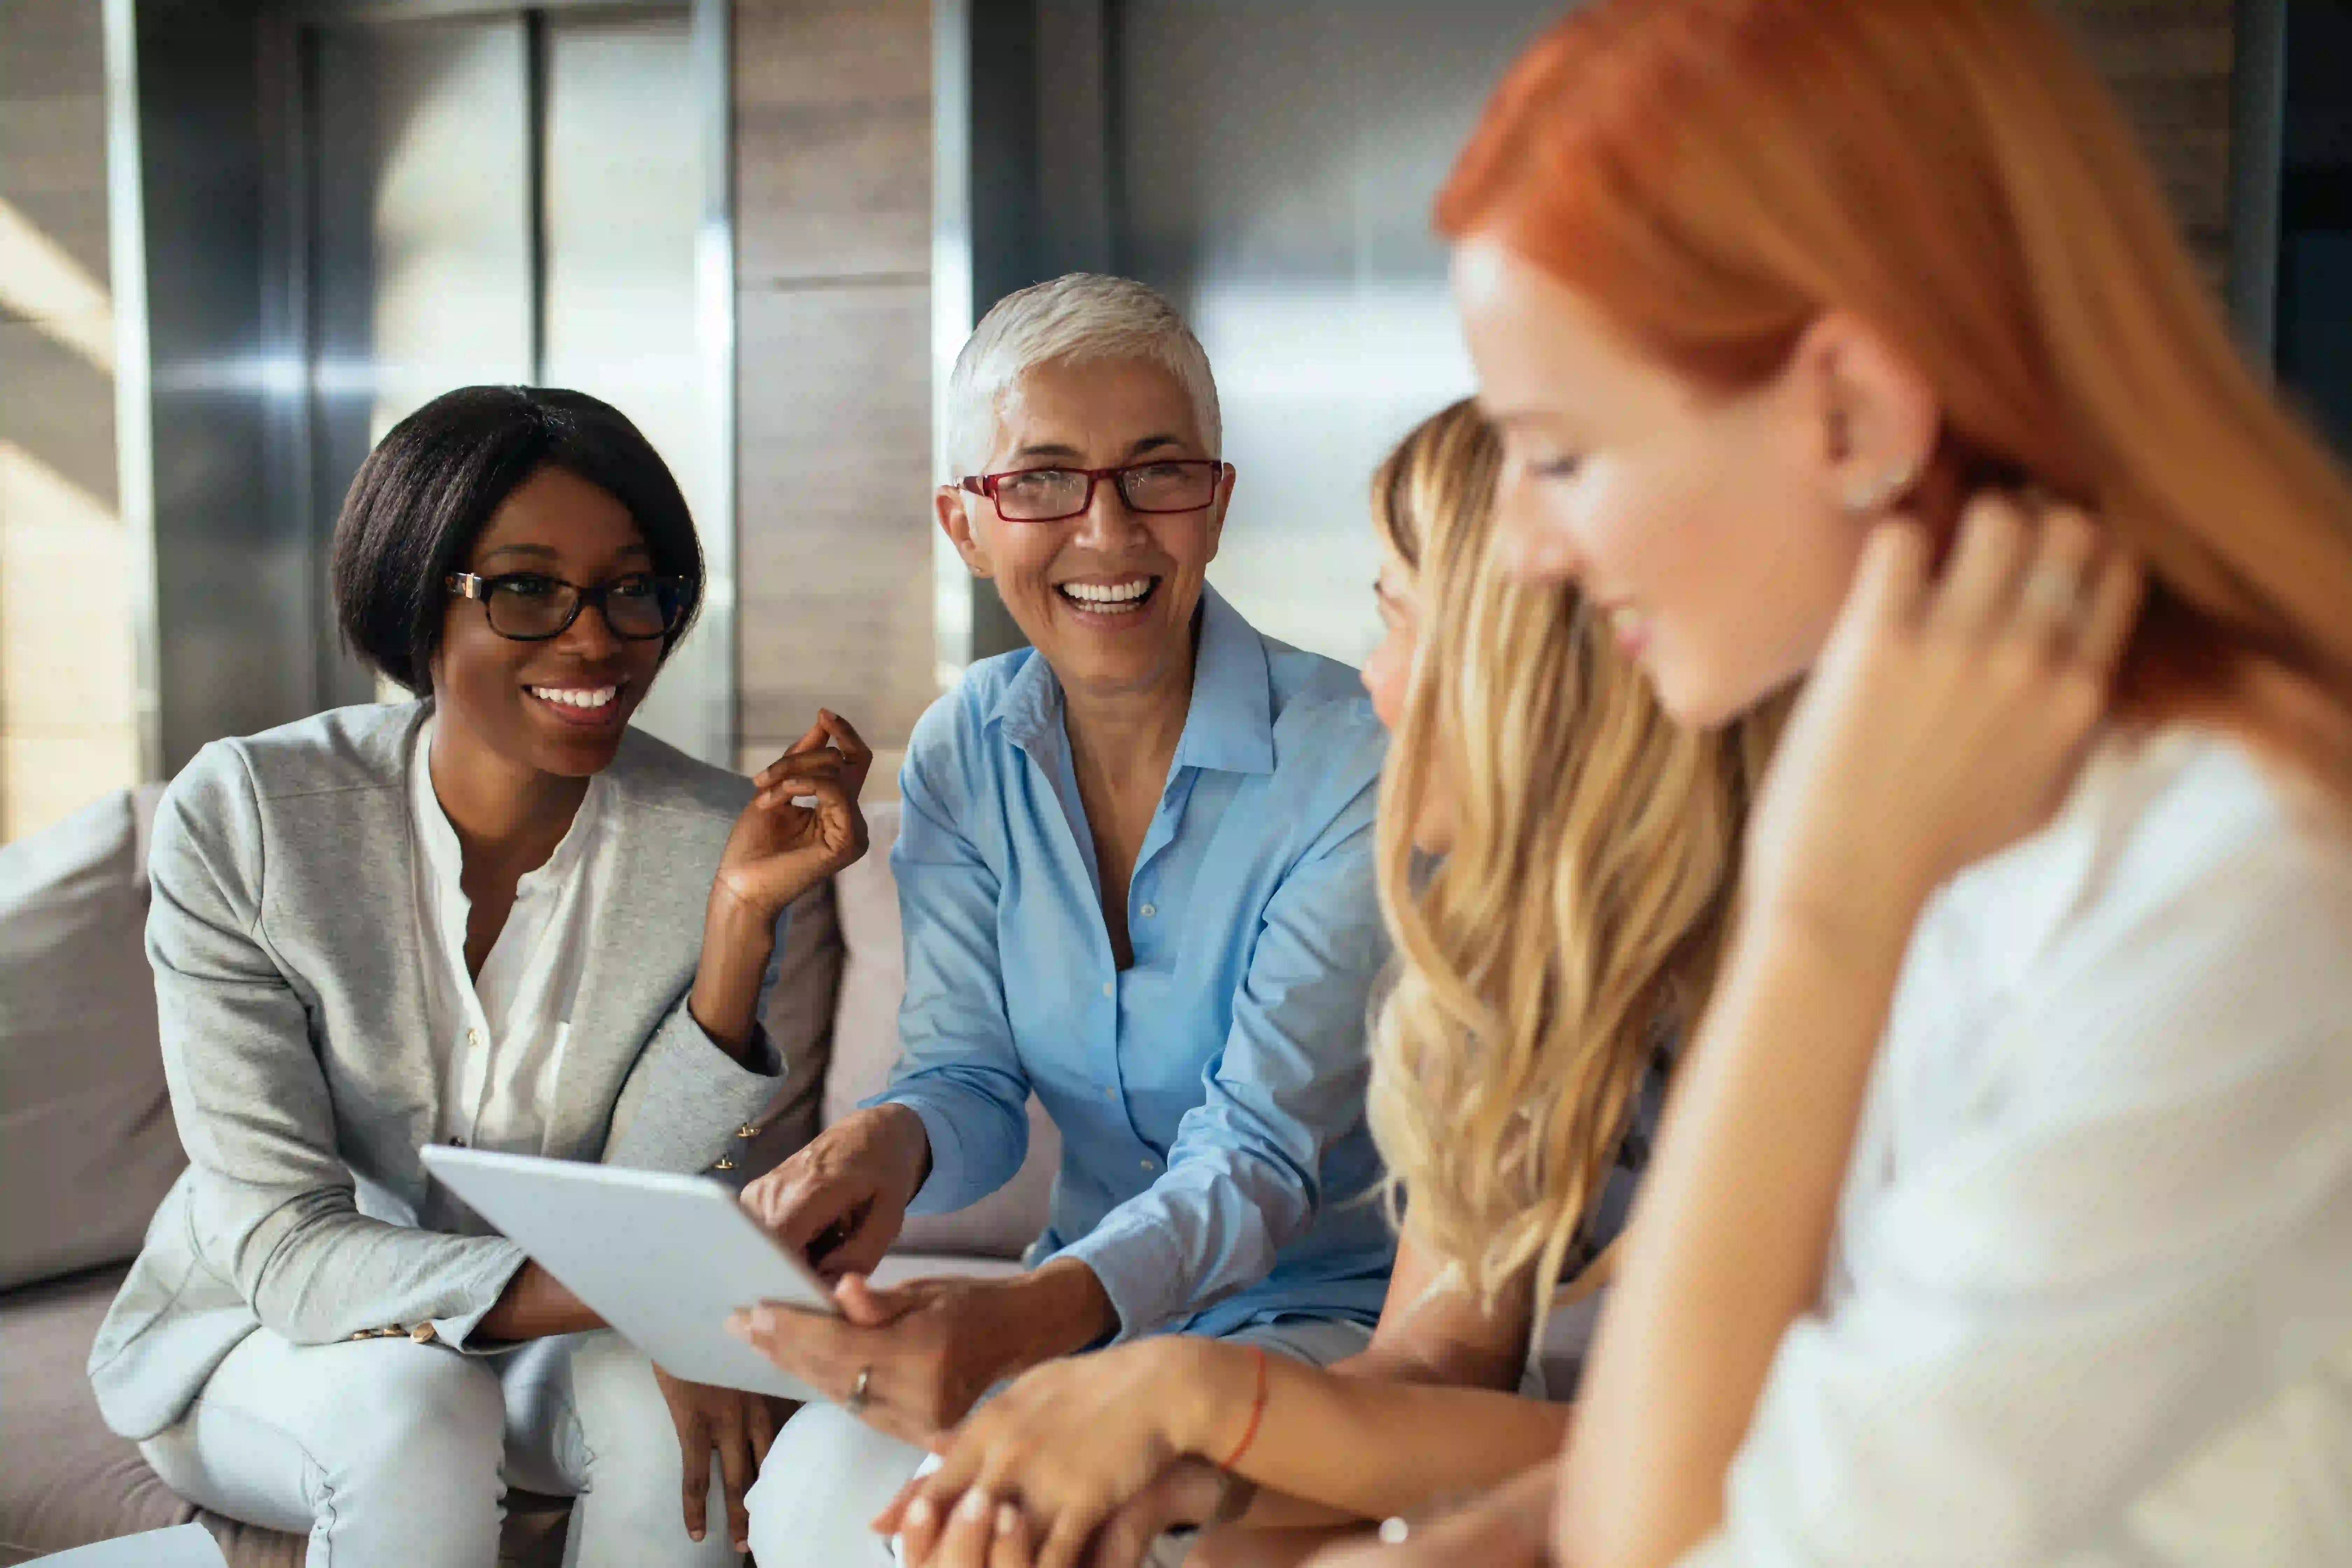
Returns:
(829,1473)
(388,1454)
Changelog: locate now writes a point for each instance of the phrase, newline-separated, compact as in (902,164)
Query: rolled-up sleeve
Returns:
(1243,1175)
(958,1068)
(2146,1235)
(272,1198)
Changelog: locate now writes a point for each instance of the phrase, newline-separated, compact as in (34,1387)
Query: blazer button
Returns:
(747,1131)
(723,1163)
(423,1334)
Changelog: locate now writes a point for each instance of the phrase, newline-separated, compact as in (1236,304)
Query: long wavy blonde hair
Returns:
(1574,923)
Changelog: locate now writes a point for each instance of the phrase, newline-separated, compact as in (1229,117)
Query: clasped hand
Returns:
(1082,1460)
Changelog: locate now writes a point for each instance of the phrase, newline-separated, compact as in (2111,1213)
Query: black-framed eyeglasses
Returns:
(1049,495)
(531,607)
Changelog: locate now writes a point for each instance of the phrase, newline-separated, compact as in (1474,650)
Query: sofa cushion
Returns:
(86,1142)
(865,1047)
(798,1016)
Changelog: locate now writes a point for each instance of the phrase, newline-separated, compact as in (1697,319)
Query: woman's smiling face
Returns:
(1107,596)
(1700,524)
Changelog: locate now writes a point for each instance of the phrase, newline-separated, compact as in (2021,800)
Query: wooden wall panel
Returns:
(68,732)
(833,136)
(2169,62)
(832,221)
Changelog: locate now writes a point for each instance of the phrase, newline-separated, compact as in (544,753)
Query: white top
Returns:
(2091,1301)
(498,1037)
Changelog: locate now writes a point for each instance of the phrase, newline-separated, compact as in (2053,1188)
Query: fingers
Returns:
(857,755)
(1980,579)
(892,1519)
(969,1536)
(1012,1548)
(694,1472)
(784,780)
(2049,591)
(2110,612)
(762,1426)
(1066,1543)
(738,1471)
(868,1307)
(1890,586)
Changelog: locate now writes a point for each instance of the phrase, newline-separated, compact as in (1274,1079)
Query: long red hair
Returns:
(1713,174)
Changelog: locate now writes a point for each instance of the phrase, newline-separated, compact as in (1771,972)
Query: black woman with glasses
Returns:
(495,916)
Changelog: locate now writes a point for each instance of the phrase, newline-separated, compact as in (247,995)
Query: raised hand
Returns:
(1947,718)
(780,849)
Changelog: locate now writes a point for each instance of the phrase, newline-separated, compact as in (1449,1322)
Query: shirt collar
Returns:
(1230,726)
(448,858)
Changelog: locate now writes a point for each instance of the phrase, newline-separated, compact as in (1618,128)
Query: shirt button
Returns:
(1149,911)
(1150,1164)
(1110,988)
(1110,1094)
(473,1037)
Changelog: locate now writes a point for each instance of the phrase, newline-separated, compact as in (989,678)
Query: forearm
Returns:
(1733,1232)
(534,1307)
(1367,1447)
(737,944)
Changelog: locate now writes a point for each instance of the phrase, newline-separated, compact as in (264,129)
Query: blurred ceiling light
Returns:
(41,283)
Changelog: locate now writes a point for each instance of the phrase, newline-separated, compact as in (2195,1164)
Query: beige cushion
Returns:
(798,1017)
(865,1047)
(86,1142)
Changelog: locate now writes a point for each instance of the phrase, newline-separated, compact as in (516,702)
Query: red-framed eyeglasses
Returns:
(1051,494)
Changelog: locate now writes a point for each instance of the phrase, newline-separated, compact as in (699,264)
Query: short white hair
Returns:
(1077,316)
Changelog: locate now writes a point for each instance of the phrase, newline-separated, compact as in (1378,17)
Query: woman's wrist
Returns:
(737,944)
(1209,1389)
(1066,1308)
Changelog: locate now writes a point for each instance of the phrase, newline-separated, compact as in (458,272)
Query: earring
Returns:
(1866,495)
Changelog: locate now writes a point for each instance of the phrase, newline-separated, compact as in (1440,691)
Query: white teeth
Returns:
(1116,596)
(595,696)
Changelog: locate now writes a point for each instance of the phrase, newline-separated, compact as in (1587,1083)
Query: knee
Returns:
(826,1476)
(435,1421)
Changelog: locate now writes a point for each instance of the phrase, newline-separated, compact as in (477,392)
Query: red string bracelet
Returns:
(1257,1413)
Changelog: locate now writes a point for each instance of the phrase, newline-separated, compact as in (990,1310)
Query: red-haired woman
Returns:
(2004,1211)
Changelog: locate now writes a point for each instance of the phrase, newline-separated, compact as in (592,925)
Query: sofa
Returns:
(87,1148)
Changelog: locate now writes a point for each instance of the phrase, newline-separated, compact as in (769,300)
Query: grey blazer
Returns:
(284,939)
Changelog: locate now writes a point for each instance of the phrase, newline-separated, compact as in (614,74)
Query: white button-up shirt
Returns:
(498,1037)
(2091,1296)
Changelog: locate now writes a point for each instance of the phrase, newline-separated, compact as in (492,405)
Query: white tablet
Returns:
(663,1258)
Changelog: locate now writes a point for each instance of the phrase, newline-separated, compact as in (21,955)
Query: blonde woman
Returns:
(1563,938)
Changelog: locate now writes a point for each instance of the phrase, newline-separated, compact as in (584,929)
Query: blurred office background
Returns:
(238,240)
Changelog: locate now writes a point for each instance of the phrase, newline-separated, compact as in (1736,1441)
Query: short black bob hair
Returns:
(424,494)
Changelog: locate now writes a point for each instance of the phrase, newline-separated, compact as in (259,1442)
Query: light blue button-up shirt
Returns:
(1216,1171)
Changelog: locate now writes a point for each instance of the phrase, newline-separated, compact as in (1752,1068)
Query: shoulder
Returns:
(1326,735)
(653,775)
(950,742)
(357,748)
(343,750)
(2186,913)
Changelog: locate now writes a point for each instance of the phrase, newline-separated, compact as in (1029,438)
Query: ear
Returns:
(950,505)
(1874,416)
(1217,510)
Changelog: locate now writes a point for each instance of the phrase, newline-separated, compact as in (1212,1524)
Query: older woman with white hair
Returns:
(1136,877)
